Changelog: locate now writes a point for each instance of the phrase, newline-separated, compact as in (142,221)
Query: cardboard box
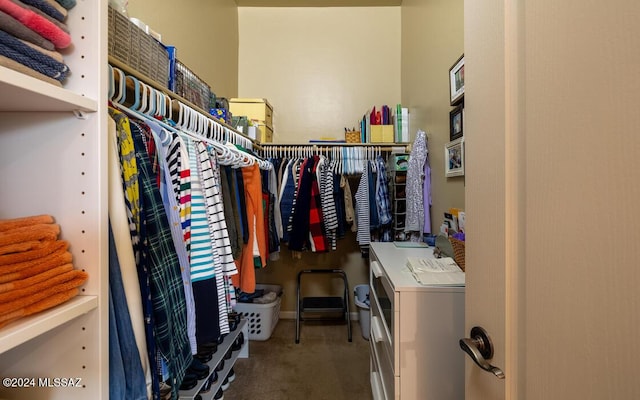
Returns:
(256,109)
(381,133)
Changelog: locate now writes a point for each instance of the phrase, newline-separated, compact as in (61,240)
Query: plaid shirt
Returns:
(167,294)
(382,194)
(131,190)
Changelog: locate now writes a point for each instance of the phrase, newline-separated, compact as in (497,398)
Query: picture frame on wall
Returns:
(456,81)
(454,158)
(456,123)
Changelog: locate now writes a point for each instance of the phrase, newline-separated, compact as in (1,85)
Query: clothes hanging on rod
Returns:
(172,173)
(313,205)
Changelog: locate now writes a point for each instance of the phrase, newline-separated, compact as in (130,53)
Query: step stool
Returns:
(323,304)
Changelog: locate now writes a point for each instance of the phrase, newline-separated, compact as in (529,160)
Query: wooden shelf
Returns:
(25,329)
(21,92)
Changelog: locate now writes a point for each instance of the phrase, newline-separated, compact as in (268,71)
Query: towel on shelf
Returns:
(32,280)
(13,48)
(36,269)
(37,23)
(46,8)
(19,298)
(58,7)
(16,66)
(67,4)
(46,70)
(30,233)
(26,269)
(13,223)
(47,247)
(51,53)
(49,302)
(20,247)
(14,27)
(41,13)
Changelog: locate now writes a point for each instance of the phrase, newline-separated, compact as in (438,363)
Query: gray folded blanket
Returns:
(15,28)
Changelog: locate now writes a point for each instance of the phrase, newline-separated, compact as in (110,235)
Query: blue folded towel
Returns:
(16,50)
(46,8)
(68,4)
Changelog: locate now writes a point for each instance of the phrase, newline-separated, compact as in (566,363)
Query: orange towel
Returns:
(42,305)
(13,272)
(8,224)
(20,247)
(21,298)
(31,232)
(47,247)
(37,278)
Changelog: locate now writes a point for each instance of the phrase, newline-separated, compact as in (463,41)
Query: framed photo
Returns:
(456,121)
(454,158)
(456,81)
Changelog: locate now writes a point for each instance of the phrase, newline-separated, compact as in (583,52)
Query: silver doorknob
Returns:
(480,349)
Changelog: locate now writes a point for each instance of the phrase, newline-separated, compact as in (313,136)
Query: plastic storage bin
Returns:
(261,318)
(362,301)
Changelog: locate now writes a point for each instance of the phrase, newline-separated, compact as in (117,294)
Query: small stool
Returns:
(324,304)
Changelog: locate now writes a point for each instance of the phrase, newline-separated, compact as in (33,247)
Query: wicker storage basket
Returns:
(458,251)
(352,137)
(132,46)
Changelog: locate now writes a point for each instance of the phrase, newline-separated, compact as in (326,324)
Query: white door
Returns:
(552,136)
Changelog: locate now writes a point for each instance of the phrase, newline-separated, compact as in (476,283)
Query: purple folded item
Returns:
(13,27)
(45,8)
(35,22)
(16,66)
(54,21)
(31,63)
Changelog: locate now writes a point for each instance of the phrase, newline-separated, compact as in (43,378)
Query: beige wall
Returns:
(205,32)
(320,68)
(432,40)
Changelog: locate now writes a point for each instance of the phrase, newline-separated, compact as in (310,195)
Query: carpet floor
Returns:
(323,366)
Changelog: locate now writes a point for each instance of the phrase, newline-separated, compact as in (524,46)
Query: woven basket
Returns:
(352,137)
(132,46)
(458,251)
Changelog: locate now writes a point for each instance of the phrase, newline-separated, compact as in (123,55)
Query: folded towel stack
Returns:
(31,31)
(36,269)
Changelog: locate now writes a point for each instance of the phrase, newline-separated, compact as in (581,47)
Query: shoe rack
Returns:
(221,363)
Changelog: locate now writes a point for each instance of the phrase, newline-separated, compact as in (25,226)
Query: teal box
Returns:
(400,162)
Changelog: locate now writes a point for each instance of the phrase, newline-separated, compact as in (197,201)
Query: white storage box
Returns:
(261,318)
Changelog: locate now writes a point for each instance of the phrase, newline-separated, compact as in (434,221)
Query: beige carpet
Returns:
(323,366)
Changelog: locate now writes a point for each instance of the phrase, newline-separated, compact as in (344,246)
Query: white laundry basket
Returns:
(261,318)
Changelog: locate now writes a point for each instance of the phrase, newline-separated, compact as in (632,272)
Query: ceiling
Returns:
(317,3)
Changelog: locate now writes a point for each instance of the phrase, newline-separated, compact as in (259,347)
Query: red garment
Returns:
(316,222)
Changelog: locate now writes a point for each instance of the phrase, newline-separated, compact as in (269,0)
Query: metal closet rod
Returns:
(175,108)
(329,145)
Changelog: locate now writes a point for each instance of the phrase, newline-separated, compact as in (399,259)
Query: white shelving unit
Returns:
(53,161)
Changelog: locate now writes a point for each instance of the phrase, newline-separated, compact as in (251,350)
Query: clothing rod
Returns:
(329,145)
(148,81)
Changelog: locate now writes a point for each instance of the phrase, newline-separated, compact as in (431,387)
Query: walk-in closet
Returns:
(285,199)
(181,235)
